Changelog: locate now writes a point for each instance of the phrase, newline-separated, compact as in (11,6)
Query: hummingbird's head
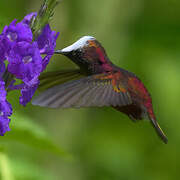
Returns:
(86,51)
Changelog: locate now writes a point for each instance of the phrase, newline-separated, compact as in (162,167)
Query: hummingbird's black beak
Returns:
(60,52)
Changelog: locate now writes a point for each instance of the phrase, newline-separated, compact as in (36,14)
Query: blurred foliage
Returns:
(142,36)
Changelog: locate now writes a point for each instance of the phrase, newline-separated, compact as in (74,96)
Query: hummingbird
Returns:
(96,83)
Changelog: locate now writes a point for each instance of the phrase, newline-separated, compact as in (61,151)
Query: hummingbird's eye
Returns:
(87,43)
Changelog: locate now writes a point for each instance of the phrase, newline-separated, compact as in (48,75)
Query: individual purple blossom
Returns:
(17,32)
(28,90)
(27,19)
(25,61)
(47,40)
(5,109)
(47,43)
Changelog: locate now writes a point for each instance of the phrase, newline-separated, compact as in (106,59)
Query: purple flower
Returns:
(28,90)
(47,43)
(17,32)
(25,61)
(5,110)
(47,40)
(27,18)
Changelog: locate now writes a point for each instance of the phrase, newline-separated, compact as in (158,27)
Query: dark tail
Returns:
(159,131)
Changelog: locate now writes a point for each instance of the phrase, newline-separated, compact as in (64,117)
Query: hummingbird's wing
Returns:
(92,91)
(51,79)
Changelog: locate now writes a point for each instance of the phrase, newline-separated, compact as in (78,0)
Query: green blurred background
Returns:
(142,36)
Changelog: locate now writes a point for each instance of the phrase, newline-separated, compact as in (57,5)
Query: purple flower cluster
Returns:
(24,61)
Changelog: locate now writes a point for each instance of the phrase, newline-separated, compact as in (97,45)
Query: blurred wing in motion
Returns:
(51,79)
(91,91)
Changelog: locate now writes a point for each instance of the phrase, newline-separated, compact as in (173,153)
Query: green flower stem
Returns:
(45,13)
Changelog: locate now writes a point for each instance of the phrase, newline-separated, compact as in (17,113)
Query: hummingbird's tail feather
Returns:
(51,79)
(159,131)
